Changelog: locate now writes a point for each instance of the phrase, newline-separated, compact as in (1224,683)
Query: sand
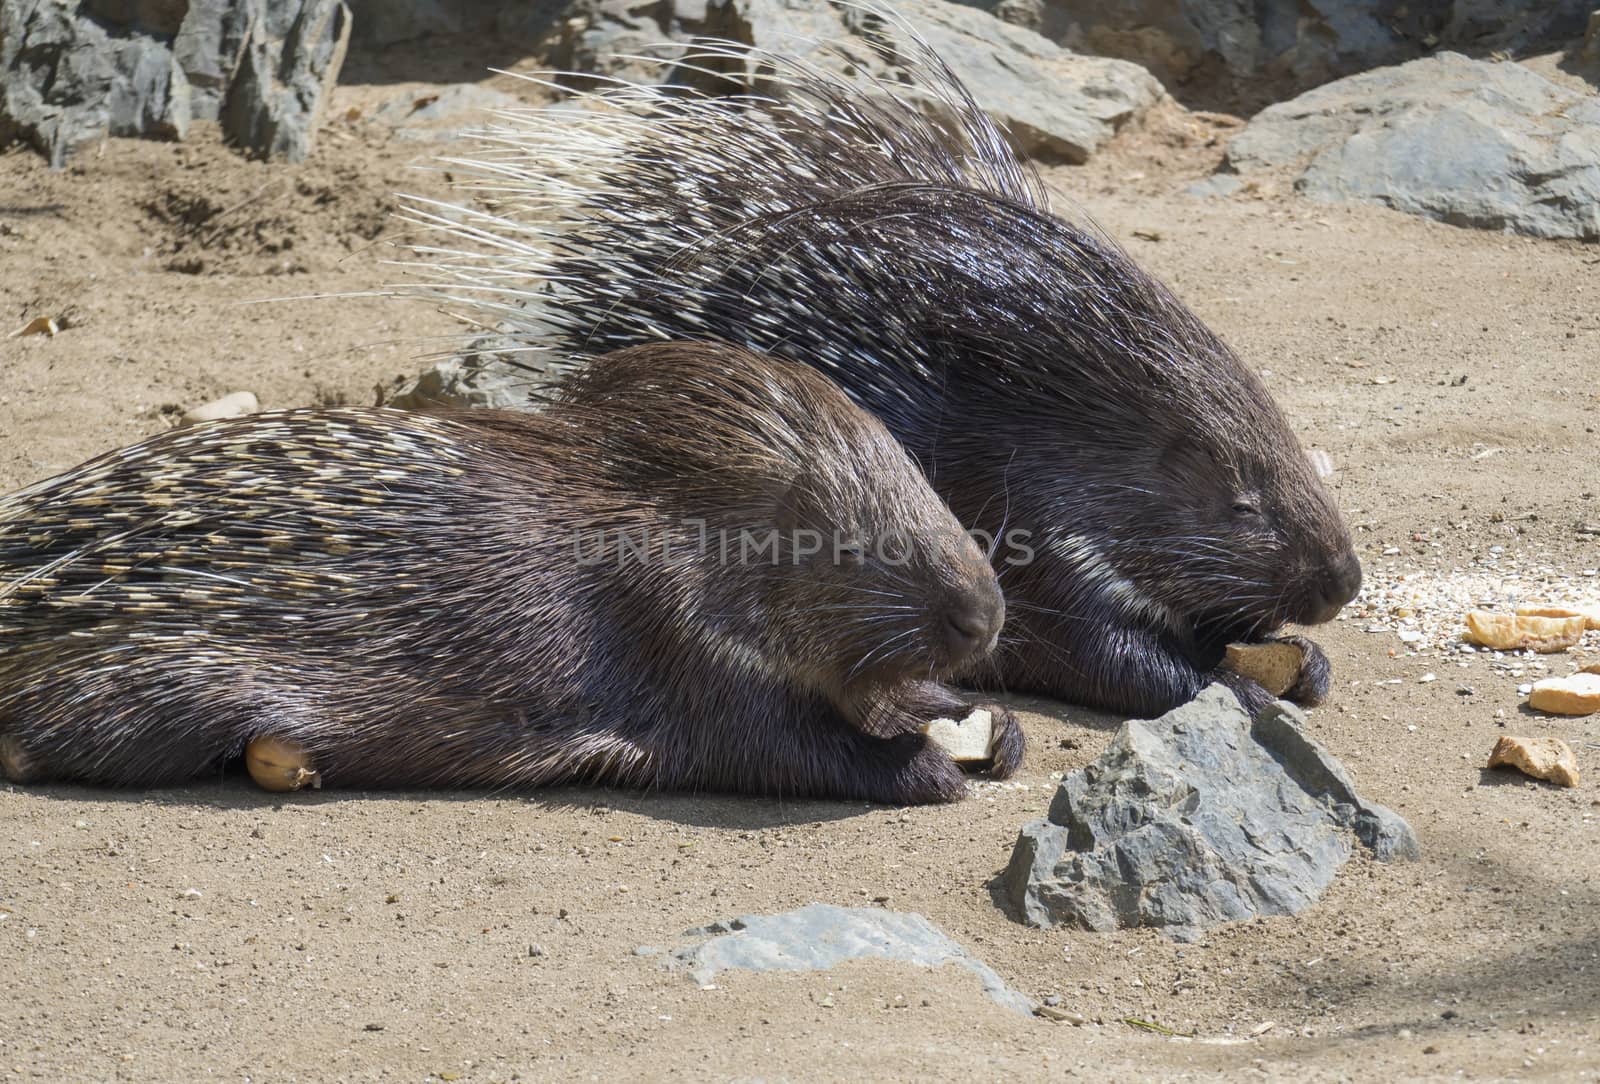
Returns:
(217,932)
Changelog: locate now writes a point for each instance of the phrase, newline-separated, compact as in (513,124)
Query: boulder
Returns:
(1194,819)
(1057,104)
(73,74)
(1215,53)
(1469,142)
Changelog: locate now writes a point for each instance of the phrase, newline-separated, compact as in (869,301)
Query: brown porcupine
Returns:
(893,238)
(677,576)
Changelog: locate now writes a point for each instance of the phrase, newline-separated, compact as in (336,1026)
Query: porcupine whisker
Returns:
(882,651)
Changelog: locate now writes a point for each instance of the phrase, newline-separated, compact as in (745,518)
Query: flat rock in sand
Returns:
(1197,818)
(821,935)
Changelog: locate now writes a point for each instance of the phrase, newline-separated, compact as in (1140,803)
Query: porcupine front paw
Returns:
(1007,742)
(15,764)
(927,774)
(917,704)
(1311,687)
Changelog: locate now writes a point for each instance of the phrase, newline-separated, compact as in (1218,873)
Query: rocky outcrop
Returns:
(1057,104)
(1470,142)
(72,74)
(1220,52)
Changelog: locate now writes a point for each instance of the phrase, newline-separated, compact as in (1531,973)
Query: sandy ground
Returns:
(217,932)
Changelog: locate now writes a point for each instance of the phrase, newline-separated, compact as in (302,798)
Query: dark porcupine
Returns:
(1045,383)
(497,598)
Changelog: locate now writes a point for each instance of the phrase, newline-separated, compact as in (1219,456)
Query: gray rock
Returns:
(208,47)
(1218,184)
(492,372)
(1056,103)
(72,74)
(1280,730)
(443,114)
(1463,141)
(66,81)
(821,935)
(1195,819)
(381,23)
(1216,51)
(289,64)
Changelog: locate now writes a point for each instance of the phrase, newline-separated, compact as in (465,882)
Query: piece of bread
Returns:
(1510,632)
(1575,695)
(1542,758)
(1273,666)
(1589,611)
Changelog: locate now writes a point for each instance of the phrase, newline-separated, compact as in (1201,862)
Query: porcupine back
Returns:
(889,235)
(419,600)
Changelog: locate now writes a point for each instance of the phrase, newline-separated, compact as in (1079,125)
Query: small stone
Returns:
(1060,1015)
(535,951)
(233,405)
(1542,758)
(372,1027)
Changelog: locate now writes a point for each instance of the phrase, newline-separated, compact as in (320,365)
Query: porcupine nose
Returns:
(1339,586)
(973,623)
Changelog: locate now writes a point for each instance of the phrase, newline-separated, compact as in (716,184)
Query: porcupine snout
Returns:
(974,613)
(1338,585)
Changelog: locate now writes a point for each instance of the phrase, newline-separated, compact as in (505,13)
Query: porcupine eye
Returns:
(852,554)
(1246,510)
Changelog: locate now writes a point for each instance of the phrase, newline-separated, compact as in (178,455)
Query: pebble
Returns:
(1060,1015)
(232,405)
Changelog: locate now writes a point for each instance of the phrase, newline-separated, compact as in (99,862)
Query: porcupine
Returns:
(1046,384)
(498,598)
